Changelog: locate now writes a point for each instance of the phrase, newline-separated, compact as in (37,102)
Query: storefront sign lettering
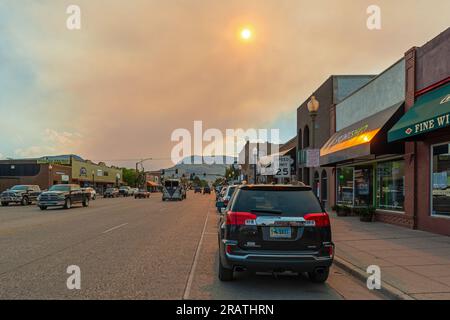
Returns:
(435,123)
(349,135)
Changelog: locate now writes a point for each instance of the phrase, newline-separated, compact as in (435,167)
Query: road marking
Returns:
(116,227)
(187,290)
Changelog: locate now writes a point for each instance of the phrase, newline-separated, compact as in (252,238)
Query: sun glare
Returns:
(246,34)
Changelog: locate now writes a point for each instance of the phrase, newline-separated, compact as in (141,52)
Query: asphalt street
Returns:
(130,248)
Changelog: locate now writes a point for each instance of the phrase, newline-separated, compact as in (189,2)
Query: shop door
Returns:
(363,186)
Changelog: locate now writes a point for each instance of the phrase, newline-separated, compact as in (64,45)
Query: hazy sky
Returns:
(137,70)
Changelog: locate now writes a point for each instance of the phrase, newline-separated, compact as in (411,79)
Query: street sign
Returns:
(313,158)
(284,167)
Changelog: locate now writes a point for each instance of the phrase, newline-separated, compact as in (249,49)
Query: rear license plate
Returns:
(280,232)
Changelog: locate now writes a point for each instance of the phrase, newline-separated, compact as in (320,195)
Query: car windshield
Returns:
(282,202)
(19,188)
(171,184)
(60,188)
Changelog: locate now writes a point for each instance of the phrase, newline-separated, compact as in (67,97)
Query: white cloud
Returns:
(53,142)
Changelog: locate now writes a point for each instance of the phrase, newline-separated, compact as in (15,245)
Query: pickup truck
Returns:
(23,194)
(63,195)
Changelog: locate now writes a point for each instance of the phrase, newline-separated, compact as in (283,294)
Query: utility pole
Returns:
(137,170)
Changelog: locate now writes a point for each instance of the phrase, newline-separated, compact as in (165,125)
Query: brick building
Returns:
(424,130)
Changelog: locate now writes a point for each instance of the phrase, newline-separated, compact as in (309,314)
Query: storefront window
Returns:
(391,185)
(363,187)
(345,186)
(441,180)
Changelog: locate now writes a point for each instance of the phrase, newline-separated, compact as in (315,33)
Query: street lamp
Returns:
(93,179)
(255,157)
(313,107)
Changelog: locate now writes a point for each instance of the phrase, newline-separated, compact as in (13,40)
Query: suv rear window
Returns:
(280,202)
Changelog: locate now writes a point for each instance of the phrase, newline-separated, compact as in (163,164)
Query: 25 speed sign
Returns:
(284,167)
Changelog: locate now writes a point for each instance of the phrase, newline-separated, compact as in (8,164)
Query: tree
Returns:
(196,181)
(130,176)
(231,173)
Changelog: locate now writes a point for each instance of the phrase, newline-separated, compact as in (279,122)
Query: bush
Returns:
(367,214)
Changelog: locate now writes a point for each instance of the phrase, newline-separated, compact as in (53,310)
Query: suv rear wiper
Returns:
(266,211)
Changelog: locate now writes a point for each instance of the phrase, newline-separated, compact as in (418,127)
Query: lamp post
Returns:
(313,107)
(255,158)
(93,179)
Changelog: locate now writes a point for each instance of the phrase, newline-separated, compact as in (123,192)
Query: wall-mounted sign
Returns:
(54,160)
(313,158)
(83,172)
(65,178)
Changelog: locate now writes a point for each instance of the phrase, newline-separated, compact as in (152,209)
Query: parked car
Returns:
(63,195)
(198,189)
(207,190)
(275,228)
(91,192)
(142,193)
(125,191)
(111,193)
(225,197)
(23,194)
(134,191)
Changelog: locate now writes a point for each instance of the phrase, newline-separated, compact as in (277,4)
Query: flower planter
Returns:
(340,213)
(366,218)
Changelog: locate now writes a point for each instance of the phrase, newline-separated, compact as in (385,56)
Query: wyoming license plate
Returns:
(280,232)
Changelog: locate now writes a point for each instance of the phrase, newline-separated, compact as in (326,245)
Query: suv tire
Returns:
(68,204)
(224,273)
(319,277)
(43,207)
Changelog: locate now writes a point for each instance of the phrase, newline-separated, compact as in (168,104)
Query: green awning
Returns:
(430,112)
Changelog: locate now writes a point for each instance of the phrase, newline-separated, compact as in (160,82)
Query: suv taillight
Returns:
(321,219)
(240,218)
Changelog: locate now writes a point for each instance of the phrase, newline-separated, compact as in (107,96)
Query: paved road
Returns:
(136,249)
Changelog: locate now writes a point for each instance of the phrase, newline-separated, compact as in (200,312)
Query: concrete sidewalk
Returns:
(414,264)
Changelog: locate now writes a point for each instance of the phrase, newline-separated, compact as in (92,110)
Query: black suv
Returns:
(275,228)
(23,194)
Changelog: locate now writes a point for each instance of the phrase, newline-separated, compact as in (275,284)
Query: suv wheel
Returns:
(68,204)
(319,275)
(224,273)
(43,207)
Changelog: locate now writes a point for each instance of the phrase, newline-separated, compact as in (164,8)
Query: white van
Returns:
(173,190)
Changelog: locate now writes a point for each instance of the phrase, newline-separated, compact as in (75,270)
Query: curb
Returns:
(386,289)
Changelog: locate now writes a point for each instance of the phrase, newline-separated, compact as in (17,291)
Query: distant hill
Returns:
(205,171)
